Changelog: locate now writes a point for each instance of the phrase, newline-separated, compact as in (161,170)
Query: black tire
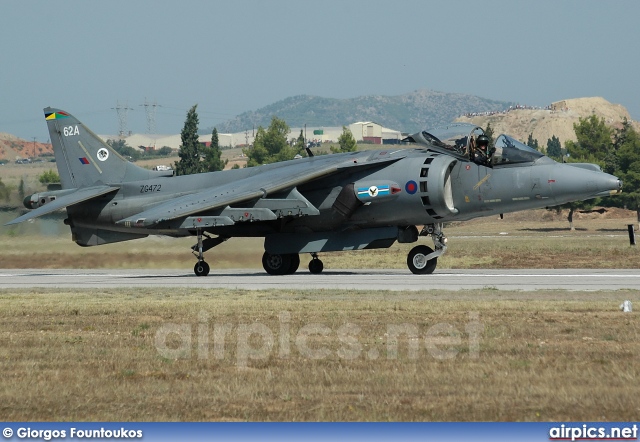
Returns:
(316,266)
(201,268)
(295,263)
(276,264)
(418,264)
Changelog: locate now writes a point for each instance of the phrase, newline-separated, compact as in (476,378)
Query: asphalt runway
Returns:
(394,280)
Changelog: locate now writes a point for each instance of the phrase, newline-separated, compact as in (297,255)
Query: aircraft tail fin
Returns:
(83,159)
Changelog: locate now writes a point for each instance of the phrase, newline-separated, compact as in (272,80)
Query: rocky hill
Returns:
(13,148)
(411,112)
(556,120)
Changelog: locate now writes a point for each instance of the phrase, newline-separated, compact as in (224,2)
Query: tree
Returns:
(4,192)
(21,189)
(554,148)
(270,145)
(346,142)
(49,177)
(189,154)
(623,138)
(533,142)
(164,151)
(212,154)
(592,145)
(257,154)
(488,131)
(299,146)
(124,149)
(594,141)
(627,142)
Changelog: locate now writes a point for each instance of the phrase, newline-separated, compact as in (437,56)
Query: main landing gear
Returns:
(288,263)
(315,265)
(422,260)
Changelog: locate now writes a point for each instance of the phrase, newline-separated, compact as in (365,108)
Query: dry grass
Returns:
(69,355)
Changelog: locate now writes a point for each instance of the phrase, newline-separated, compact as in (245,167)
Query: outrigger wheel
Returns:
(201,268)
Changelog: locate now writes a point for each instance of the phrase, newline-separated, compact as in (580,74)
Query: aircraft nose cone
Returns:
(609,185)
(582,182)
(604,184)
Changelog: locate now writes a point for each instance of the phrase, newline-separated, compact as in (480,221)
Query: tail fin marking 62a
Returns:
(83,159)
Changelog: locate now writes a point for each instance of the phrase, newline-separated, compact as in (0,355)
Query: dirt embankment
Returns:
(558,120)
(13,148)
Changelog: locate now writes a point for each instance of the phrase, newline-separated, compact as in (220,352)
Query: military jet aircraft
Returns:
(360,200)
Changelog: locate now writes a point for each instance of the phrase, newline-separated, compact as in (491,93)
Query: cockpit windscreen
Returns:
(511,151)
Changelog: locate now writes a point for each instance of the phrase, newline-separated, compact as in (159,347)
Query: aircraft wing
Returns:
(247,189)
(66,200)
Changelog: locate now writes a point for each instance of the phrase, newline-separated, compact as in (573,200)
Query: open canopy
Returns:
(459,138)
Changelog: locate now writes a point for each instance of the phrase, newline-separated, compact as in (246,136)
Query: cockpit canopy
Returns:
(459,139)
(510,151)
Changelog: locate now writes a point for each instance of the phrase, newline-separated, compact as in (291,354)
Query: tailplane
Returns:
(83,159)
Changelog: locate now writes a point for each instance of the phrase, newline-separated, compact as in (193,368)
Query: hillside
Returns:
(558,120)
(407,113)
(13,148)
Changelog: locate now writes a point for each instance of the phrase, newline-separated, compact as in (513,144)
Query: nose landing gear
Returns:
(422,260)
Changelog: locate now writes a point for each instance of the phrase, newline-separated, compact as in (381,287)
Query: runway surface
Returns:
(395,280)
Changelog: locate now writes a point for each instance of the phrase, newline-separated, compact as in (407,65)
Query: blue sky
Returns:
(233,56)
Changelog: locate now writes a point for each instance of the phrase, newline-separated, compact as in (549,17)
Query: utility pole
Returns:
(34,147)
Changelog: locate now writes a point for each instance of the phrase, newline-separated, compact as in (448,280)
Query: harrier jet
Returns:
(349,201)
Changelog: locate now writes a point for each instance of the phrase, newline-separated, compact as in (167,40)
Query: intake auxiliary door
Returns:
(434,185)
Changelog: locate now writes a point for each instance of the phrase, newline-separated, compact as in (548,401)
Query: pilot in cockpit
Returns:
(480,153)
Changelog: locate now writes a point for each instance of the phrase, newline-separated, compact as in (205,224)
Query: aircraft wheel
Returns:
(316,266)
(295,263)
(276,264)
(417,262)
(201,268)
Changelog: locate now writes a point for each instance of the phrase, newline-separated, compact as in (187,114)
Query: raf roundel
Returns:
(411,187)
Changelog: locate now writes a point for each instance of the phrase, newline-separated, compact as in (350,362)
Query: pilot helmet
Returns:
(482,140)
